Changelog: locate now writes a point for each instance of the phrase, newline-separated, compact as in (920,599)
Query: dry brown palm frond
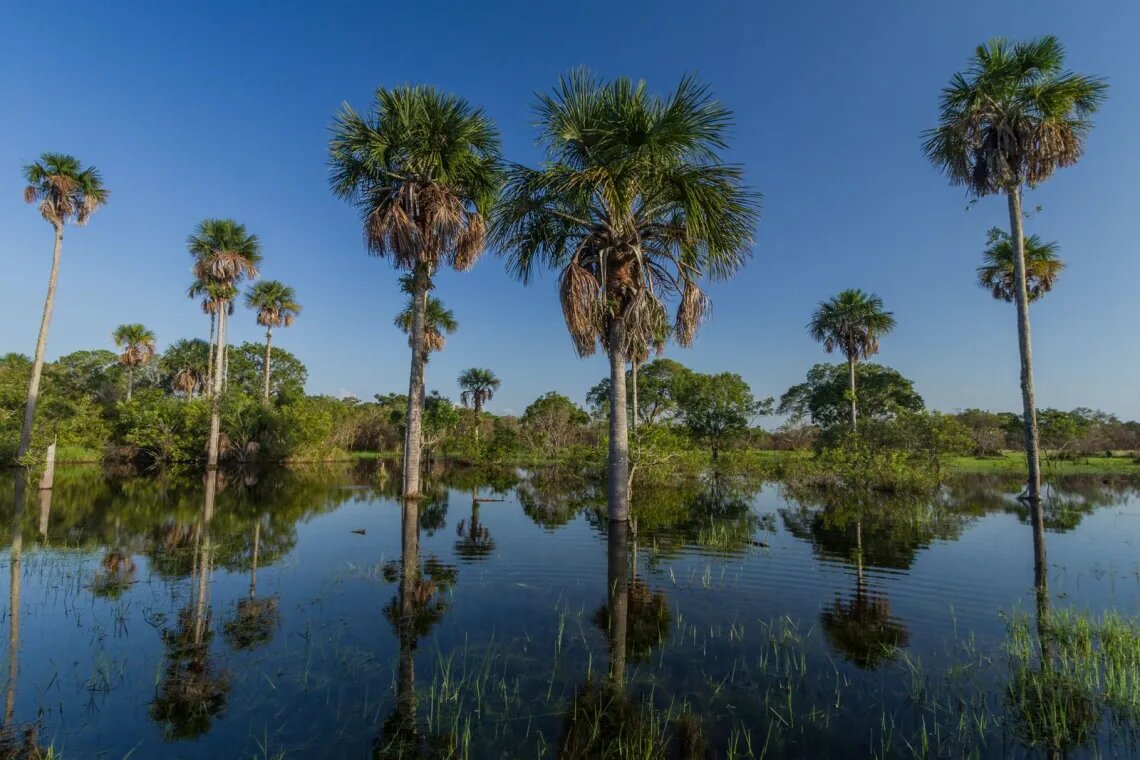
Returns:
(90,203)
(49,212)
(433,340)
(29,194)
(470,241)
(690,313)
(581,302)
(646,325)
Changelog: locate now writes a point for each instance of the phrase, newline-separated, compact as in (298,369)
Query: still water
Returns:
(308,613)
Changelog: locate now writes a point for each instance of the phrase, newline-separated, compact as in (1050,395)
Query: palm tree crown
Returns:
(224,254)
(275,303)
(137,343)
(633,205)
(851,322)
(479,386)
(214,295)
(66,191)
(1014,117)
(422,168)
(996,274)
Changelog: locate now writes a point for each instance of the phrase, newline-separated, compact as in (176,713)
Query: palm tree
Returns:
(998,272)
(186,366)
(276,305)
(479,386)
(852,322)
(423,168)
(224,255)
(1015,117)
(214,296)
(138,347)
(66,192)
(439,320)
(634,206)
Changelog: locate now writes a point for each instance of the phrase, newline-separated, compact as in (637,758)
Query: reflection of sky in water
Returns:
(321,684)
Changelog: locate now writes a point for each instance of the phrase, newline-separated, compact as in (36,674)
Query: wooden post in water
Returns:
(48,478)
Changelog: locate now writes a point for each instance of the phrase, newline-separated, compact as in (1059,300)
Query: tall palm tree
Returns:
(1011,120)
(214,295)
(634,206)
(852,322)
(138,347)
(224,254)
(998,272)
(439,321)
(478,387)
(67,193)
(423,168)
(276,305)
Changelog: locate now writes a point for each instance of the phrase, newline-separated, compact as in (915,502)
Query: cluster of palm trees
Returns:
(225,255)
(632,205)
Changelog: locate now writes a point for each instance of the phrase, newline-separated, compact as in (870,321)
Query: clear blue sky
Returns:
(218,109)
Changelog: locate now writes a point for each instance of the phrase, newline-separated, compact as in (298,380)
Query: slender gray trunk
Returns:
(478,413)
(633,394)
(130,381)
(851,386)
(413,435)
(619,428)
(618,581)
(216,392)
(1029,404)
(409,577)
(206,557)
(41,348)
(268,345)
(210,361)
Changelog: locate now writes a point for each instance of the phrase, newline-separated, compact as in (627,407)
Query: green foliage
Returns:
(717,409)
(883,394)
(553,422)
(163,429)
(287,375)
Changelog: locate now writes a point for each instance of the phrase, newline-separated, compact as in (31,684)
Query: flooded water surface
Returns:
(312,614)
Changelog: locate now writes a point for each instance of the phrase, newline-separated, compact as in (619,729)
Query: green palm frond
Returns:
(1014,117)
(851,322)
(65,190)
(633,206)
(275,303)
(996,274)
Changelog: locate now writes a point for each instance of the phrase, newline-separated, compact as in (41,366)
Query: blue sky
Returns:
(198,109)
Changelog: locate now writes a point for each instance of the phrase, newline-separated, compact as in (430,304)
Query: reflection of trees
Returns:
(861,627)
(553,497)
(474,540)
(604,720)
(419,604)
(1066,501)
(880,532)
(714,512)
(1050,707)
(16,551)
(254,620)
(117,570)
(641,621)
(193,689)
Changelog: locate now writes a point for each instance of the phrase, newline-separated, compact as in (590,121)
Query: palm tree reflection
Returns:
(255,620)
(475,540)
(420,602)
(193,689)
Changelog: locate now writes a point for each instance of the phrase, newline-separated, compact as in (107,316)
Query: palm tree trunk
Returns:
(268,344)
(851,386)
(633,394)
(478,413)
(1029,404)
(413,436)
(409,576)
(253,571)
(619,428)
(41,348)
(216,406)
(130,381)
(210,361)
